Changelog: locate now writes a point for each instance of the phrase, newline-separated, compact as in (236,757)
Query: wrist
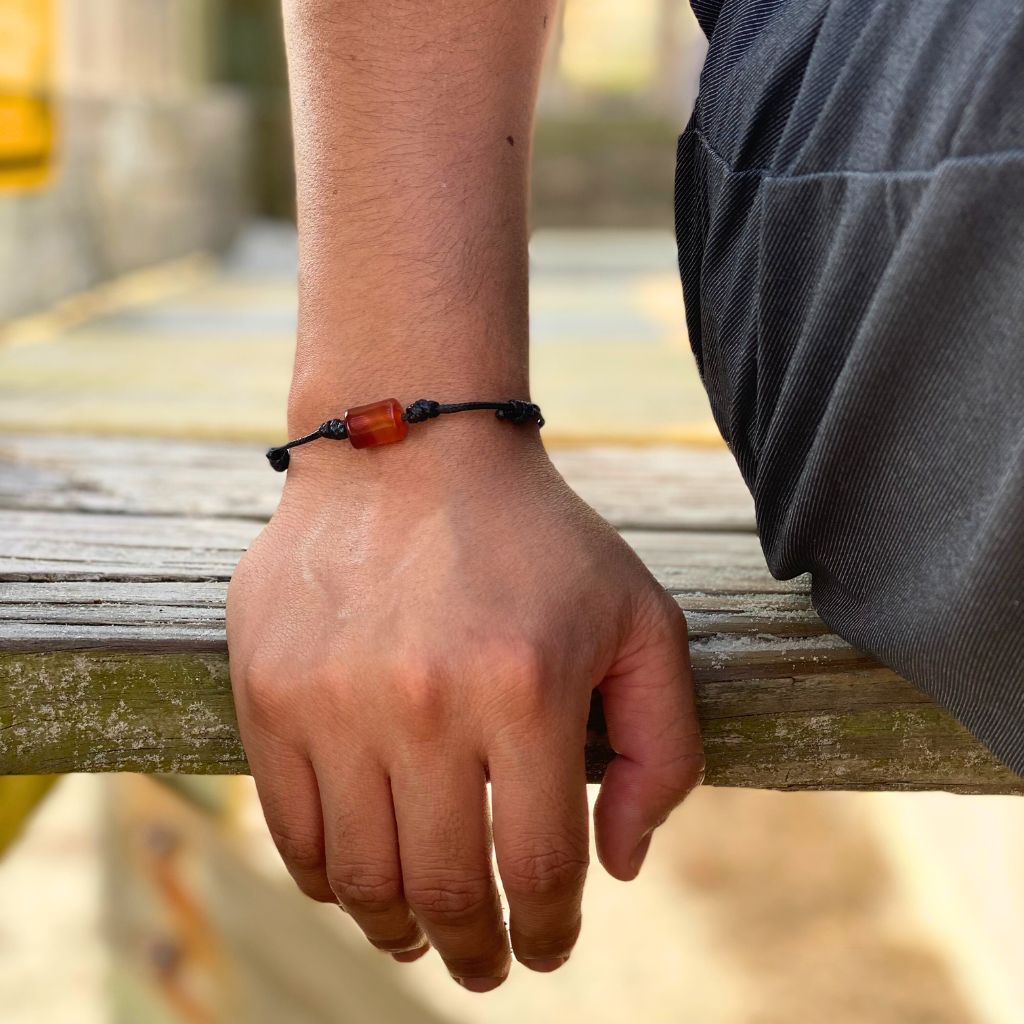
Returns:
(440,455)
(446,359)
(312,402)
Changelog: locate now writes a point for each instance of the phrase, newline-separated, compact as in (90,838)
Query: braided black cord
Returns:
(513,411)
(333,430)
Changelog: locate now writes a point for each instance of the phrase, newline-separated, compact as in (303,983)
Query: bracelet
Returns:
(386,422)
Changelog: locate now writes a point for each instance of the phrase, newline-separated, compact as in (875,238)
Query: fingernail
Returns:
(545,965)
(480,984)
(637,860)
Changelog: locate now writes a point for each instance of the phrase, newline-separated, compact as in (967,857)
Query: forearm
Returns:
(413,124)
(413,617)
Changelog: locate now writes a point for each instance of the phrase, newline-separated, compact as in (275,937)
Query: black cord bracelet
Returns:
(366,426)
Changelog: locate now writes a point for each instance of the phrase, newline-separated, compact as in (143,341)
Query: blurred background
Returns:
(147,287)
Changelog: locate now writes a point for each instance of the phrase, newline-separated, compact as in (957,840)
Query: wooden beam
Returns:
(654,488)
(112,650)
(847,725)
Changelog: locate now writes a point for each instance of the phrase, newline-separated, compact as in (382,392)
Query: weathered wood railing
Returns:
(114,561)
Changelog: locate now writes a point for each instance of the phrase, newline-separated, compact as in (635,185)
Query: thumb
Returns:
(652,724)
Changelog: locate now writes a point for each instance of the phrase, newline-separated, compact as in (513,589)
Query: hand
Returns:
(417,619)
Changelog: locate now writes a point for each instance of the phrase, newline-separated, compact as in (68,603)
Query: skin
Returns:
(420,619)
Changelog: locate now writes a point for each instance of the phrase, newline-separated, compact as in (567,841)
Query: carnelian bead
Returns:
(376,423)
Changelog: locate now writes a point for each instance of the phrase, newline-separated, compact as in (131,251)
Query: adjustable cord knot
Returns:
(279,458)
(334,430)
(380,423)
(420,410)
(517,411)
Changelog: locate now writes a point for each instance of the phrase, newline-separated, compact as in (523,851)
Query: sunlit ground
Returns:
(200,351)
(753,908)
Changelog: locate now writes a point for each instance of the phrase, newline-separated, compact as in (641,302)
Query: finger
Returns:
(412,954)
(541,841)
(361,845)
(445,843)
(652,724)
(290,799)
(284,778)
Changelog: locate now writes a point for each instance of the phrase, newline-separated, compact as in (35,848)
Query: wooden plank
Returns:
(168,617)
(774,716)
(112,651)
(652,488)
(56,546)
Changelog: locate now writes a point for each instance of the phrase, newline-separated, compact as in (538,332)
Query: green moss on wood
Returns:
(88,711)
(108,711)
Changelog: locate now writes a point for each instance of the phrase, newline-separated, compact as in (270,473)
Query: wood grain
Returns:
(654,488)
(113,657)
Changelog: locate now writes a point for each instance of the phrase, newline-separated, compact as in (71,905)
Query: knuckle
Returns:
(683,772)
(365,892)
(301,853)
(553,870)
(519,668)
(313,888)
(422,697)
(528,697)
(421,689)
(674,779)
(672,613)
(451,902)
(663,625)
(266,699)
(521,660)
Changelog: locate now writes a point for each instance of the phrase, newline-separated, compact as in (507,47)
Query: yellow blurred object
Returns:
(26,98)
(20,795)
(608,45)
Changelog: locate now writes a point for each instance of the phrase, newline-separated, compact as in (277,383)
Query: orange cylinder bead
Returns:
(376,423)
